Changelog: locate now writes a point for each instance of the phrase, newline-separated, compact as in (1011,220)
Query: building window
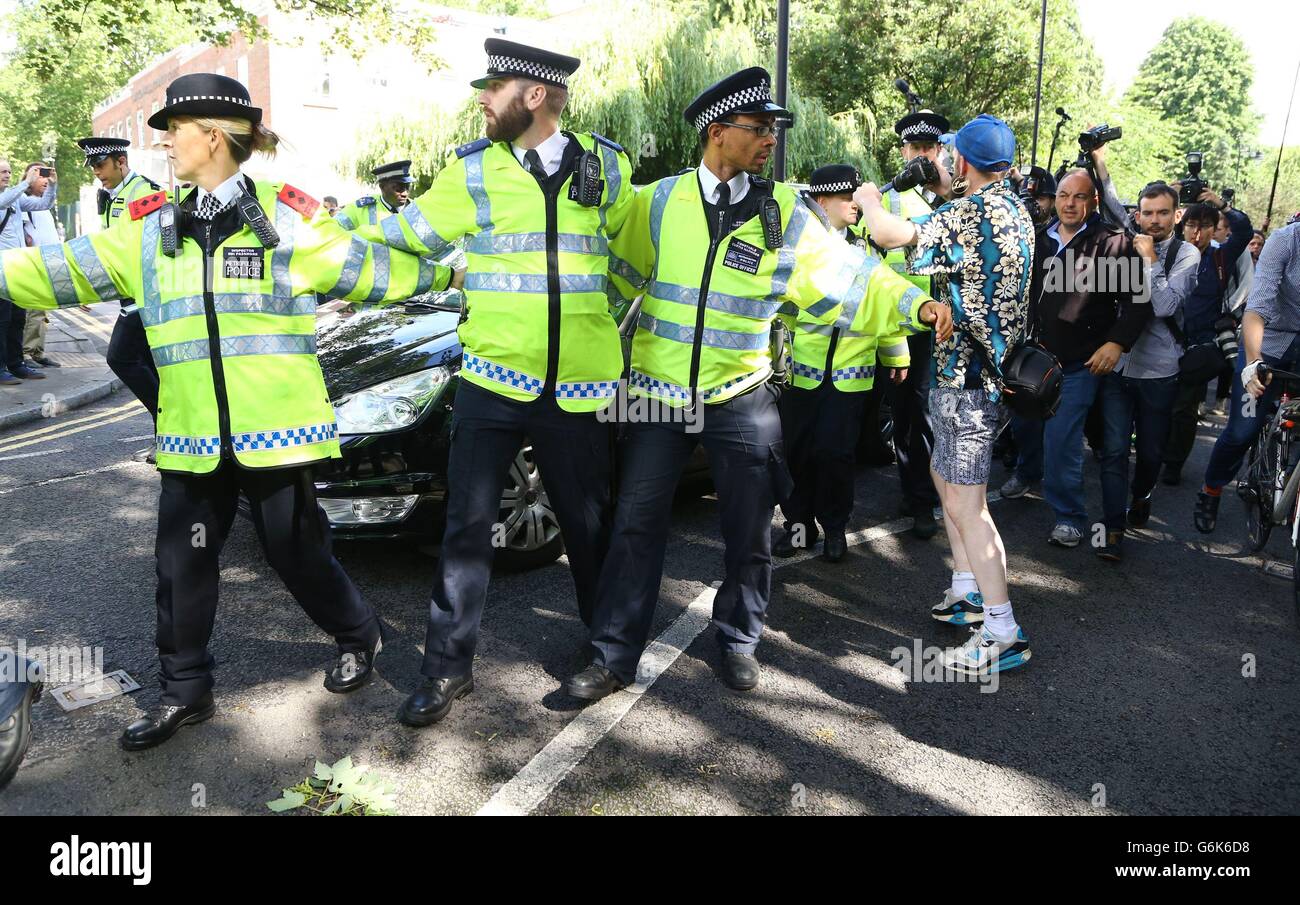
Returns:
(139,129)
(156,108)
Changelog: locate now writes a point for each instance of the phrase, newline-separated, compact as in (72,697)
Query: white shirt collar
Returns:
(739,185)
(226,193)
(551,151)
(113,193)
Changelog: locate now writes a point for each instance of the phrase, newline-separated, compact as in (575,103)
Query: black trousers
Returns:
(913,440)
(12,321)
(821,429)
(195,513)
(747,460)
(130,359)
(573,454)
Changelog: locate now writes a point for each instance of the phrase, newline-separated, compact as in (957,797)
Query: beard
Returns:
(512,122)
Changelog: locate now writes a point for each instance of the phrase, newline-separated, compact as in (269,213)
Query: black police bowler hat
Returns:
(398,169)
(834,179)
(206,94)
(923,125)
(747,91)
(96,149)
(507,59)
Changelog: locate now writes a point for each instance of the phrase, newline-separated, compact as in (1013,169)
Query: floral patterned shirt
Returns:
(984,245)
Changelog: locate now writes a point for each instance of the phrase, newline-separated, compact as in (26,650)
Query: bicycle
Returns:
(1272,479)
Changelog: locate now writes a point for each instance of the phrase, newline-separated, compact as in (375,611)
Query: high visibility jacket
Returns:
(365,211)
(134,188)
(538,316)
(848,357)
(707,313)
(232,331)
(909,204)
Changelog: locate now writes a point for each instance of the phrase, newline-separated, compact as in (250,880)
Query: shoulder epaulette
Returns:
(153,185)
(365,201)
(684,170)
(142,207)
(299,200)
(472,147)
(609,143)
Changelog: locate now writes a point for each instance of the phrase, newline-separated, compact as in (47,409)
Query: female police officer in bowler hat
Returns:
(225,281)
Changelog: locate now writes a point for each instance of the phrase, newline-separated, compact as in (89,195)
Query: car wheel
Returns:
(530,534)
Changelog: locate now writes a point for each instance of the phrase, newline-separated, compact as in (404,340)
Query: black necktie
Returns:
(534,161)
(724,201)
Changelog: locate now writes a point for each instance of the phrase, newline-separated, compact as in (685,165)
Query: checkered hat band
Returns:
(752,95)
(830,188)
(104,149)
(516,66)
(208,97)
(921,130)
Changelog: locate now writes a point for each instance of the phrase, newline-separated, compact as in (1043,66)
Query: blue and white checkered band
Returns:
(506,66)
(752,95)
(831,188)
(921,132)
(104,149)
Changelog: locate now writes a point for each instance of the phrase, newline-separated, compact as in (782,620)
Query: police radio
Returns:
(170,234)
(587,185)
(250,211)
(769,211)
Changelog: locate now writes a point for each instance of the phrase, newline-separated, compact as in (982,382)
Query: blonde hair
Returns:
(242,137)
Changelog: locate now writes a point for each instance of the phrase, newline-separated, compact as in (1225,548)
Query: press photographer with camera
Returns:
(1037,189)
(1204,317)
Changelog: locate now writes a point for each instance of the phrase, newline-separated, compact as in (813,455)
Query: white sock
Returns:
(1000,621)
(963,583)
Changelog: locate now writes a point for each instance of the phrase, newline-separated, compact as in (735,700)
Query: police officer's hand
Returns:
(898,375)
(939,317)
(458,279)
(867,195)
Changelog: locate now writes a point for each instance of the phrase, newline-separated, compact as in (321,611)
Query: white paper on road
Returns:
(95,691)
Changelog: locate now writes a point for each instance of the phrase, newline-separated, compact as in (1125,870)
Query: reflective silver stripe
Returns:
(286,218)
(474,183)
(60,274)
(533,282)
(371,210)
(351,272)
(228,303)
(894,203)
(436,244)
(513,243)
(231,346)
(857,271)
(345,221)
(427,274)
(905,308)
(613,180)
(761,309)
(785,256)
(717,339)
(383,264)
(394,237)
(899,267)
(88,260)
(148,261)
(827,330)
(622,268)
(662,190)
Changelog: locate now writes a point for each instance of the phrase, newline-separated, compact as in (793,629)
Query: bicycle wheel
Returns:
(1258,493)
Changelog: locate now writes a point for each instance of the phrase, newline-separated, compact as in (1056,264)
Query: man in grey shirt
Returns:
(1138,396)
(14,202)
(1270,334)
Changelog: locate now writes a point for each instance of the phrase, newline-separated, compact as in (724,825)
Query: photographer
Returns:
(1138,398)
(1270,335)
(1038,191)
(14,203)
(1203,310)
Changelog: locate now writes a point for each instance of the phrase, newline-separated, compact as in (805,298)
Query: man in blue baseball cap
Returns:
(979,246)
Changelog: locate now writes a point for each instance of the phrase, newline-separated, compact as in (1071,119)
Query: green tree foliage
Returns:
(1198,77)
(1253,198)
(977,57)
(633,86)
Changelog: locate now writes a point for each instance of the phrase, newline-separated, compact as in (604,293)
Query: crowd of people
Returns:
(935,288)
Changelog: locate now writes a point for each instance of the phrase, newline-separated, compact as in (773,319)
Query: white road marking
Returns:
(48,452)
(116,466)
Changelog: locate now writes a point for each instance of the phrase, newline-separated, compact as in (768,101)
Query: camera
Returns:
(46,172)
(1225,337)
(1193,185)
(1228,195)
(919,171)
(1097,136)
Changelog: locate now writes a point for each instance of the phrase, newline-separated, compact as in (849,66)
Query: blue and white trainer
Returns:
(983,654)
(965,610)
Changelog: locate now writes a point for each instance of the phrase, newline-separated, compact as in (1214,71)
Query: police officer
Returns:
(394,180)
(224,281)
(919,135)
(717,251)
(128,350)
(537,206)
(832,375)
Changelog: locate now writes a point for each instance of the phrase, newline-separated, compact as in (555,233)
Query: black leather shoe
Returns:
(1139,513)
(924,526)
(46,362)
(26,373)
(16,730)
(433,699)
(1113,551)
(1206,514)
(740,671)
(158,727)
(786,547)
(353,670)
(1171,476)
(593,683)
(835,547)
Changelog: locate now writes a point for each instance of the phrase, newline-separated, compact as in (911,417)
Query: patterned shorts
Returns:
(965,424)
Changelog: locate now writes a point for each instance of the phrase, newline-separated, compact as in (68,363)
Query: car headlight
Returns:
(391,405)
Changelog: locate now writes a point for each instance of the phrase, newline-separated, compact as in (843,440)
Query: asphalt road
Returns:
(1134,702)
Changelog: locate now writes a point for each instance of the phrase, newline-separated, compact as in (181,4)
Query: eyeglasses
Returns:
(760,131)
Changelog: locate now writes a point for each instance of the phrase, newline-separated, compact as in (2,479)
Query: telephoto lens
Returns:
(1225,335)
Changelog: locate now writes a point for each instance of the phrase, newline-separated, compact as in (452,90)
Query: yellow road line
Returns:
(68,433)
(64,424)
